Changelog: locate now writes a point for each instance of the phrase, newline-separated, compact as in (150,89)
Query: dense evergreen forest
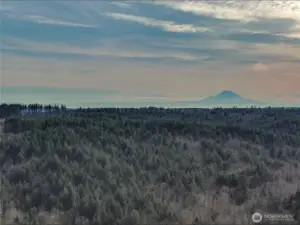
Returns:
(112,166)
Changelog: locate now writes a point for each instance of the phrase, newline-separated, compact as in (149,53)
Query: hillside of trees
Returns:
(113,166)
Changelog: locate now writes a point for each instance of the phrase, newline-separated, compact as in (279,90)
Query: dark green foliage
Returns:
(125,166)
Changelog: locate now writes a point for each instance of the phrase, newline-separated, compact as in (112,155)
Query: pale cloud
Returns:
(293,35)
(246,50)
(277,50)
(284,51)
(260,67)
(239,10)
(244,12)
(281,78)
(295,32)
(121,4)
(44,20)
(117,52)
(208,9)
(165,25)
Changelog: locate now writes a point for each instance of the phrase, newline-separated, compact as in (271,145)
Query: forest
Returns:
(130,166)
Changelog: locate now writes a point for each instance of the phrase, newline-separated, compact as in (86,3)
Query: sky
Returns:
(90,52)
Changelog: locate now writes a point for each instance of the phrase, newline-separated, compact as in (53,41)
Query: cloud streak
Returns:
(121,4)
(44,20)
(49,21)
(239,10)
(165,25)
(124,52)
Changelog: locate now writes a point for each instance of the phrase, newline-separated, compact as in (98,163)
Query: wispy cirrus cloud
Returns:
(44,20)
(246,12)
(50,21)
(121,4)
(165,25)
(239,10)
(100,51)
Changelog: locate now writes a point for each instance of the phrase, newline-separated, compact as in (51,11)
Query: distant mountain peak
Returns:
(228,94)
(228,97)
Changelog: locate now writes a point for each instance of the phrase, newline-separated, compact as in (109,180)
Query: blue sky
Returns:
(149,51)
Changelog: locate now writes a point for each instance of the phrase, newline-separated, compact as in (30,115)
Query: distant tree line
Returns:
(7,110)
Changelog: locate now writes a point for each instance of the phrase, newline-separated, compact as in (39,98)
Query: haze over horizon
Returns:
(149,53)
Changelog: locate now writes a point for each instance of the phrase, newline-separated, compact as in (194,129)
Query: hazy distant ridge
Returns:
(228,98)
